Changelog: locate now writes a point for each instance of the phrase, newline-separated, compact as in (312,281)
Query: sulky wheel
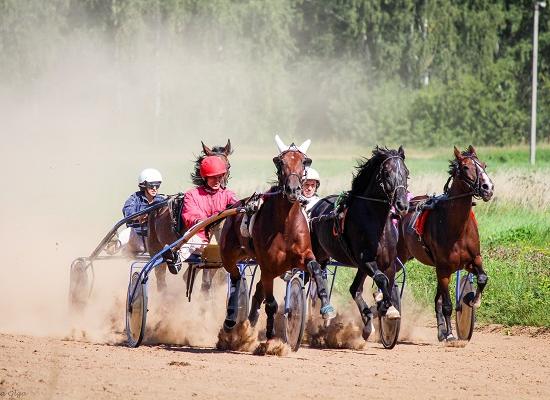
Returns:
(295,314)
(80,285)
(136,311)
(389,328)
(465,314)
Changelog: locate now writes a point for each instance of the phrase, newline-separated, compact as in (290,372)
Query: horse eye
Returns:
(465,168)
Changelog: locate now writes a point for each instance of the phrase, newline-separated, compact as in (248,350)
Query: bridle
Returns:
(390,197)
(283,180)
(474,185)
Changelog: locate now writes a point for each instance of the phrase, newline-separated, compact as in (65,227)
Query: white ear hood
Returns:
(304,146)
(283,147)
(280,145)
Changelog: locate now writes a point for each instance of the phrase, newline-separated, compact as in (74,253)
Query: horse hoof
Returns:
(393,313)
(441,336)
(228,325)
(475,302)
(450,338)
(328,312)
(469,298)
(368,330)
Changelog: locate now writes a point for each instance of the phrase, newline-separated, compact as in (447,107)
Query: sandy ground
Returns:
(492,365)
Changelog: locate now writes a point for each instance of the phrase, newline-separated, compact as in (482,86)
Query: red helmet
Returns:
(212,166)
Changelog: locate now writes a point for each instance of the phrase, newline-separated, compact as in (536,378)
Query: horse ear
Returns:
(458,155)
(304,146)
(472,150)
(280,145)
(401,152)
(276,161)
(207,150)
(227,149)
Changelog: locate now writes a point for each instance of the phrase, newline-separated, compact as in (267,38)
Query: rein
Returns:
(389,198)
(475,186)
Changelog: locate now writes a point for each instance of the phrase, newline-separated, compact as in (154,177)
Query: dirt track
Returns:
(491,366)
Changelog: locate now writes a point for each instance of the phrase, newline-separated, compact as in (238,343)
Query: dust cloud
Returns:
(74,138)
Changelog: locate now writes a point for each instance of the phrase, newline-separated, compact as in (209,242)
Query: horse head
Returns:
(383,175)
(392,177)
(467,168)
(220,151)
(291,164)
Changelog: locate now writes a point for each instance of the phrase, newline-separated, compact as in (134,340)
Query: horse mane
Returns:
(196,177)
(368,168)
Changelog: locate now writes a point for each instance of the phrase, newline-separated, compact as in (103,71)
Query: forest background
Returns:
(409,72)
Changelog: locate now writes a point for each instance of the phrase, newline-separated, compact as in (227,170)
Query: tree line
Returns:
(416,72)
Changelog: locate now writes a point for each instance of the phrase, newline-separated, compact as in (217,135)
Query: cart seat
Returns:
(211,256)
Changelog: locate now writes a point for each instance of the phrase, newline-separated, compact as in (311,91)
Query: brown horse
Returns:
(163,221)
(280,240)
(450,240)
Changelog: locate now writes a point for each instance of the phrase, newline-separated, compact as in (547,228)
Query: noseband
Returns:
(389,196)
(283,180)
(474,185)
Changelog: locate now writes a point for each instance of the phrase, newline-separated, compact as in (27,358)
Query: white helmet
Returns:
(313,174)
(149,175)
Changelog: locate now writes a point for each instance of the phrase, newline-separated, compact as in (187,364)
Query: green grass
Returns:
(515,246)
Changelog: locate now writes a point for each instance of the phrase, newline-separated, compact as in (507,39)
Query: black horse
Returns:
(355,228)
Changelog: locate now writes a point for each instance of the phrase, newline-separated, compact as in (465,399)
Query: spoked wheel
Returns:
(80,285)
(136,311)
(295,314)
(465,315)
(242,315)
(389,328)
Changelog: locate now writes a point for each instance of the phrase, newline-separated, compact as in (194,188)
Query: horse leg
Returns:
(207,277)
(356,291)
(233,301)
(153,247)
(256,303)
(441,326)
(481,278)
(385,306)
(443,309)
(160,274)
(314,269)
(271,307)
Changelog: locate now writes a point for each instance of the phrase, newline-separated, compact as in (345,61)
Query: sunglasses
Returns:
(153,185)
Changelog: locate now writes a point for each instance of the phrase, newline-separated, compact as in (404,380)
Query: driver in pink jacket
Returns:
(203,202)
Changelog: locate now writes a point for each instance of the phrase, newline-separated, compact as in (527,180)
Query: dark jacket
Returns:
(135,203)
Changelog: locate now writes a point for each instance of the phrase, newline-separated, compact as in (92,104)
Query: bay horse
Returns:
(162,222)
(357,230)
(450,239)
(280,240)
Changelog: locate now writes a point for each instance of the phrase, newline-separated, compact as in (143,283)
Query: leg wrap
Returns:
(381,279)
(270,310)
(233,302)
(232,306)
(447,309)
(482,279)
(315,270)
(271,307)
